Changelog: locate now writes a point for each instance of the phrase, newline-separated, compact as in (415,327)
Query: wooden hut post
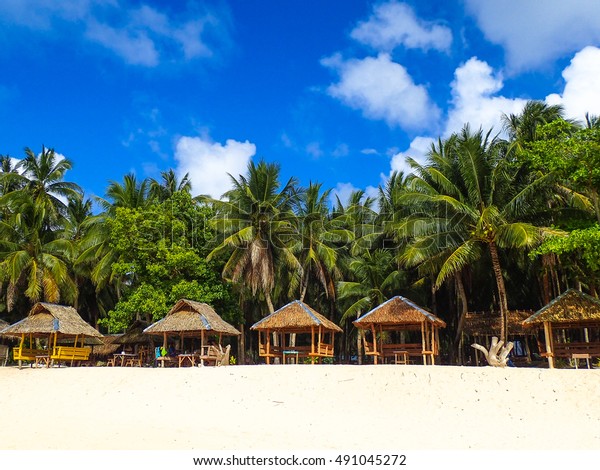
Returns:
(374,339)
(432,344)
(423,334)
(549,346)
(268,333)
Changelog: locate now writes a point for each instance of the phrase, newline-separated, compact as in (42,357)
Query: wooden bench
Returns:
(370,349)
(27,354)
(566,350)
(274,351)
(70,353)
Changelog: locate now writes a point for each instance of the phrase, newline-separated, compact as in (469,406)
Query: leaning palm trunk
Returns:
(501,291)
(497,356)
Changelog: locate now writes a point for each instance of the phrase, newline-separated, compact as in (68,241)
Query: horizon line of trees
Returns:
(483,224)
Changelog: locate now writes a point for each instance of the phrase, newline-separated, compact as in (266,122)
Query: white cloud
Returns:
(314,149)
(135,47)
(417,151)
(393,24)
(534,33)
(382,89)
(141,36)
(474,99)
(209,163)
(581,94)
(344,190)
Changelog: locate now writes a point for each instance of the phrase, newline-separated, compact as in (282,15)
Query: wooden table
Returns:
(190,358)
(43,360)
(290,354)
(400,357)
(577,356)
(120,358)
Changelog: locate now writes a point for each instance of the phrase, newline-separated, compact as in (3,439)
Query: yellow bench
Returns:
(27,354)
(70,353)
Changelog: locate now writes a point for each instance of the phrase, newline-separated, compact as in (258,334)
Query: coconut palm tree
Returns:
(320,237)
(257,229)
(169,185)
(477,201)
(131,193)
(43,178)
(33,259)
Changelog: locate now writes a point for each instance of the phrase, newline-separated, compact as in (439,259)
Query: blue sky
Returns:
(336,91)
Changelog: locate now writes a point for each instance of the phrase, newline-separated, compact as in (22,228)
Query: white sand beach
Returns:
(300,407)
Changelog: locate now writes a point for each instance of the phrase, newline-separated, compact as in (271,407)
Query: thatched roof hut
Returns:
(401,315)
(398,311)
(488,323)
(190,317)
(572,306)
(45,319)
(295,317)
(571,325)
(3,324)
(291,319)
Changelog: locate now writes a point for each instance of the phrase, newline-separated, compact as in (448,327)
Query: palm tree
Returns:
(43,178)
(320,235)
(522,128)
(131,194)
(33,259)
(477,201)
(258,229)
(163,190)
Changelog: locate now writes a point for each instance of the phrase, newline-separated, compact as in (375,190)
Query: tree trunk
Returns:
(269,302)
(501,291)
(358,343)
(460,288)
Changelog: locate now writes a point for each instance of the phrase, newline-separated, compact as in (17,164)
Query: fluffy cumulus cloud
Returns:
(581,94)
(138,34)
(395,24)
(382,89)
(535,33)
(209,163)
(475,100)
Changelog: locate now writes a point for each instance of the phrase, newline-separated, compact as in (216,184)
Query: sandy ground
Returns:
(290,407)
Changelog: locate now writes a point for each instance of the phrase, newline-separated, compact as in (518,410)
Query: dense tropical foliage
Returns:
(485,222)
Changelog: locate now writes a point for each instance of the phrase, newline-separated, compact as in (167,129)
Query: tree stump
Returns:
(497,356)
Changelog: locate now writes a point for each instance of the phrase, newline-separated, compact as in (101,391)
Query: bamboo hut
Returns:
(295,331)
(480,327)
(571,327)
(191,319)
(413,331)
(55,325)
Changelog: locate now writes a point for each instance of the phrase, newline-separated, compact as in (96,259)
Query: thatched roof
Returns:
(295,316)
(489,323)
(571,306)
(109,345)
(189,316)
(398,311)
(45,318)
(3,324)
(135,334)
